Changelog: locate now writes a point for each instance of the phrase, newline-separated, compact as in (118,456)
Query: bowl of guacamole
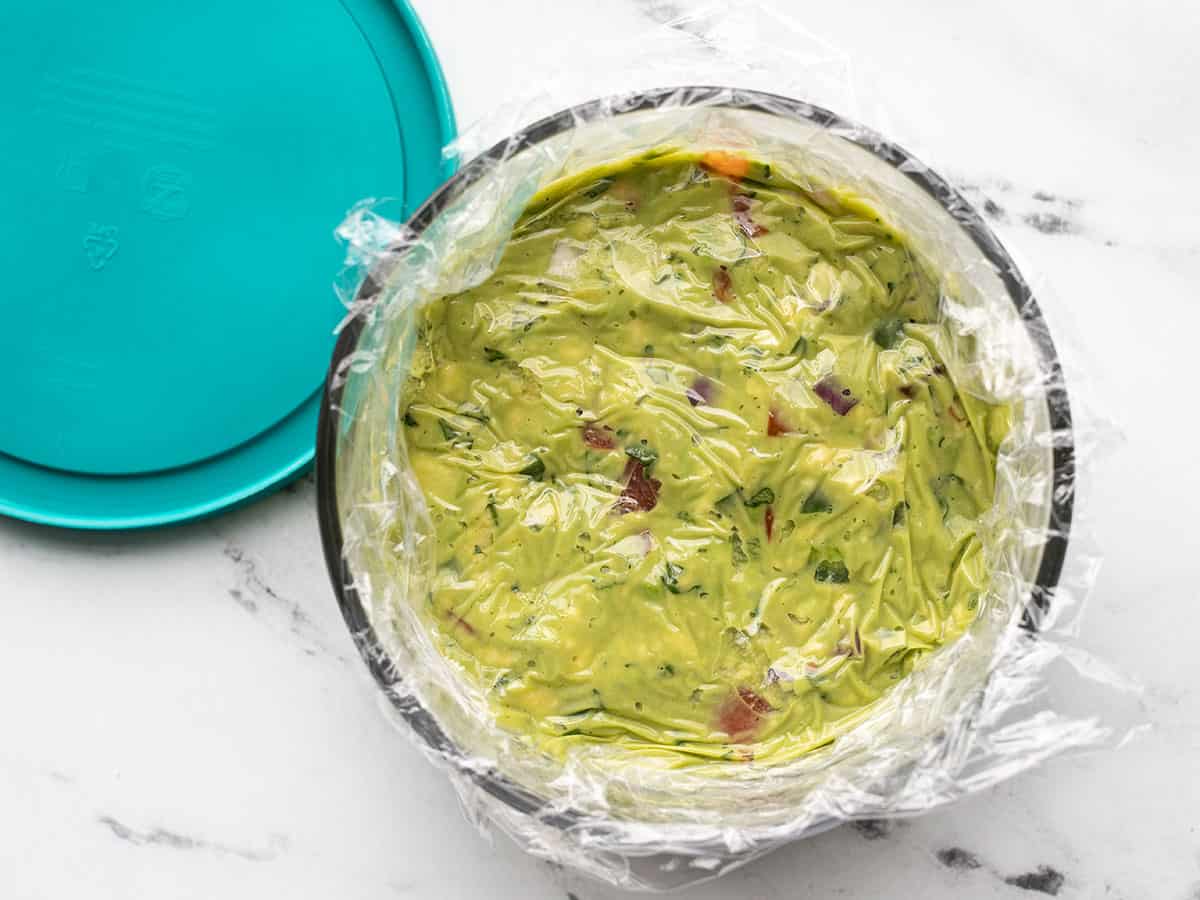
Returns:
(694,468)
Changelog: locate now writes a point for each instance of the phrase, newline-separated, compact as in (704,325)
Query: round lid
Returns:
(172,176)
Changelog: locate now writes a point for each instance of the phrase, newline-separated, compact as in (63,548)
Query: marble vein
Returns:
(874,829)
(254,594)
(1043,211)
(1044,879)
(174,840)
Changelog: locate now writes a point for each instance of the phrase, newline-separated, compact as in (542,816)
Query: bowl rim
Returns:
(1050,567)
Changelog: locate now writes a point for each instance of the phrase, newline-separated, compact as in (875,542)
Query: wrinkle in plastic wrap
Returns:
(979,710)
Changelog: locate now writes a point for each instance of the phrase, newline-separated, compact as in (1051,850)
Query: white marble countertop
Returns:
(185,715)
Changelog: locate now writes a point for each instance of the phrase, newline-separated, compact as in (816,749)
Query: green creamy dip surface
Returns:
(701,484)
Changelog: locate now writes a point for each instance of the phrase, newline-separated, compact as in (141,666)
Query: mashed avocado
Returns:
(700,482)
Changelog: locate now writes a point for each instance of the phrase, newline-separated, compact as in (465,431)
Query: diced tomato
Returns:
(754,701)
(597,437)
(769,522)
(640,492)
(740,713)
(723,285)
(723,163)
(741,215)
(736,719)
(775,424)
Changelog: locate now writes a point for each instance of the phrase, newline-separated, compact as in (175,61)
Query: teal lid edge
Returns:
(437,78)
(226,503)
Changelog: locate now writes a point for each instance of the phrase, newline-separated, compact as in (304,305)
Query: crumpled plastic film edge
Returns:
(933,739)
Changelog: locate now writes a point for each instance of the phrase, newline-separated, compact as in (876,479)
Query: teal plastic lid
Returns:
(172,175)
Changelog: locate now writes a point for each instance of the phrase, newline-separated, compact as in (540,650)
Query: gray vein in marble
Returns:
(255,587)
(874,829)
(959,859)
(994,210)
(663,12)
(1043,211)
(174,840)
(1049,223)
(253,594)
(1047,197)
(1046,880)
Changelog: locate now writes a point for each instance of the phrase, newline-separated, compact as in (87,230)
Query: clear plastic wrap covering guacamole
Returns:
(700,482)
(700,472)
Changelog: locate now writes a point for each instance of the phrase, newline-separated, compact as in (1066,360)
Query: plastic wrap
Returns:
(978,710)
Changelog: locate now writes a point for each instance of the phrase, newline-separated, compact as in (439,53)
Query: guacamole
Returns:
(701,484)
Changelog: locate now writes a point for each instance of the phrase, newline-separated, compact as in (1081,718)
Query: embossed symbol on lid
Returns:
(101,245)
(165,192)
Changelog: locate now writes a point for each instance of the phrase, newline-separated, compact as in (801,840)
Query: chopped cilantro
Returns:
(831,572)
(816,502)
(761,497)
(595,190)
(888,332)
(535,470)
(739,550)
(472,411)
(670,578)
(454,436)
(725,505)
(644,454)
